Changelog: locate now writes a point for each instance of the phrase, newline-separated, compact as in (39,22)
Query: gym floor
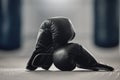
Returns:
(13,63)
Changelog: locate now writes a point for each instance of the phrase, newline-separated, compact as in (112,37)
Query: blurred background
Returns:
(96,23)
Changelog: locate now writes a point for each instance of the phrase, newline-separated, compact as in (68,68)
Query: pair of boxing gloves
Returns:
(53,47)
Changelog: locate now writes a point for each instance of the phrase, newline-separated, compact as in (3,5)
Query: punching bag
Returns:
(10,33)
(1,21)
(106,27)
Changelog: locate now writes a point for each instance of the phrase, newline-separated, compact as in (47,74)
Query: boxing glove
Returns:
(63,59)
(43,45)
(85,60)
(54,32)
(61,30)
(78,55)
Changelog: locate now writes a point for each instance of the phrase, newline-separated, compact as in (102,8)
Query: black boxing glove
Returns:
(54,33)
(80,56)
(63,59)
(44,45)
(85,60)
(61,30)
